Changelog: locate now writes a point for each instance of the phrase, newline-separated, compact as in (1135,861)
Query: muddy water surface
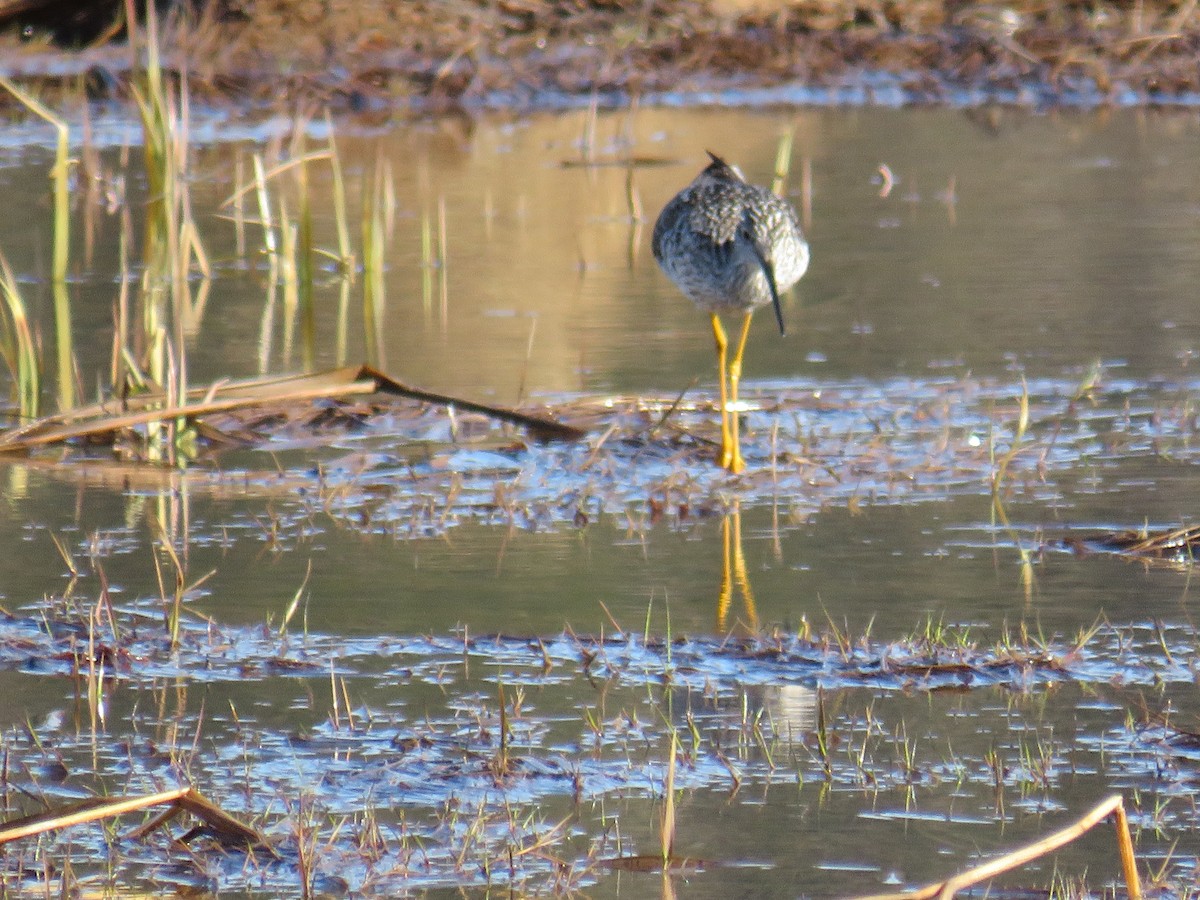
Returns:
(1053,254)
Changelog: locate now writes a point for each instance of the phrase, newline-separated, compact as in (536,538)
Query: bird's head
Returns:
(719,170)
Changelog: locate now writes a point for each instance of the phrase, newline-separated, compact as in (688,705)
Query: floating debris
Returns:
(1174,546)
(417,469)
(227,829)
(271,400)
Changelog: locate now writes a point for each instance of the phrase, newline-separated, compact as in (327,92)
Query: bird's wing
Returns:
(716,213)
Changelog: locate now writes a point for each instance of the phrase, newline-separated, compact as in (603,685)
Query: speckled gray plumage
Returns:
(730,246)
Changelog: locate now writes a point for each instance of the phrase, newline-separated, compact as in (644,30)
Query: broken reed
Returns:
(227,829)
(1112,807)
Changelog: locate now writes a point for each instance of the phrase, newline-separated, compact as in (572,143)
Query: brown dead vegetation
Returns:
(423,54)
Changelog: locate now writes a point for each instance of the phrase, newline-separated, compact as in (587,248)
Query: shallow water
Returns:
(1012,246)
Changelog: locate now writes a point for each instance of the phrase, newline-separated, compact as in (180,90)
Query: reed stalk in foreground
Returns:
(346,257)
(783,162)
(1112,807)
(1000,473)
(305,265)
(668,825)
(172,246)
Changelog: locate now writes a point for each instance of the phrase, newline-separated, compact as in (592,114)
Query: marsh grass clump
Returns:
(172,247)
(155,329)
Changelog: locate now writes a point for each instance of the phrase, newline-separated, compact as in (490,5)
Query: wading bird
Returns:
(730,246)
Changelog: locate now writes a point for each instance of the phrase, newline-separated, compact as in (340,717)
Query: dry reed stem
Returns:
(1162,541)
(18,344)
(226,826)
(1112,806)
(668,825)
(243,189)
(226,395)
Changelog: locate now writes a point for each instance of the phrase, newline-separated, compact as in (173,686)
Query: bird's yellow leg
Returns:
(735,463)
(727,451)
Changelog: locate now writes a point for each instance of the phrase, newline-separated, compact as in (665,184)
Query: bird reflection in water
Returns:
(733,573)
(792,707)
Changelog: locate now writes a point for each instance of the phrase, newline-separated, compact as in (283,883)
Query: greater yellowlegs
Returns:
(730,246)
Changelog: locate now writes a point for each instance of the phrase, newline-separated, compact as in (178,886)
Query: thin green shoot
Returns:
(340,217)
(373,243)
(305,270)
(1018,441)
(287,272)
(295,602)
(783,161)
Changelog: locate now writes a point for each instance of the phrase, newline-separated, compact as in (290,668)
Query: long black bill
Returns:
(769,271)
(775,303)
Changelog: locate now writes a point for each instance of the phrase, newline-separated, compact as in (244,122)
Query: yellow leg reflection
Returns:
(733,574)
